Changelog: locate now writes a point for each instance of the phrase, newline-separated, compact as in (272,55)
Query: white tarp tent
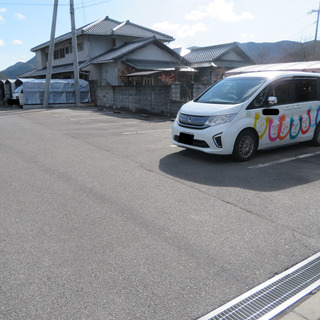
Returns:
(61,91)
(2,92)
(9,87)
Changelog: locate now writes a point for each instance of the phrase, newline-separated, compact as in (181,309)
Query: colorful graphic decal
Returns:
(283,127)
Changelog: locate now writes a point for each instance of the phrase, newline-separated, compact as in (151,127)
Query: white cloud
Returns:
(1,43)
(247,35)
(186,31)
(17,42)
(220,10)
(198,14)
(2,10)
(182,31)
(166,26)
(19,16)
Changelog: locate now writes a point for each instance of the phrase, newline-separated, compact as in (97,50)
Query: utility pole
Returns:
(75,56)
(50,55)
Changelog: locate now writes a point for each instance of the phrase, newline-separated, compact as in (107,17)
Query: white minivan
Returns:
(18,96)
(244,113)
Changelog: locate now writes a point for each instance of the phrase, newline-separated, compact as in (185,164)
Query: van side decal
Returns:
(273,128)
(306,122)
(295,127)
(282,128)
(258,125)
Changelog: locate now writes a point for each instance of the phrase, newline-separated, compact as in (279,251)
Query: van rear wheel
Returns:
(316,135)
(245,146)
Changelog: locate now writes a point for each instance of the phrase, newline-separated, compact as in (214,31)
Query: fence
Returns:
(161,100)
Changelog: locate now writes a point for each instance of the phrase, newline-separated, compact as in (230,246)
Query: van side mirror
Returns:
(272,101)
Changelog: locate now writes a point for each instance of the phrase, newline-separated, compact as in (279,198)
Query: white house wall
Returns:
(98,45)
(151,52)
(232,56)
(40,59)
(107,74)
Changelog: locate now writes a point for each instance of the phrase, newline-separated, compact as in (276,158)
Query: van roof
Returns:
(276,74)
(304,66)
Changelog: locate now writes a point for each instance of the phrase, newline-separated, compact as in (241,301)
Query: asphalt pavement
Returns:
(102,218)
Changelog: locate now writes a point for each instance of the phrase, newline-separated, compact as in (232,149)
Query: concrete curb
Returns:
(308,308)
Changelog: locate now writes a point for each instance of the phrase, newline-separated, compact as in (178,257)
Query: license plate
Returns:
(186,138)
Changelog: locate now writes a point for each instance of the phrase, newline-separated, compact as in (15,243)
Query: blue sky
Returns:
(25,24)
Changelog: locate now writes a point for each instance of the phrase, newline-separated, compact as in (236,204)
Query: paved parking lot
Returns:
(102,218)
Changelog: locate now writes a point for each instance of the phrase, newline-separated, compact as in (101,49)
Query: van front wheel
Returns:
(245,146)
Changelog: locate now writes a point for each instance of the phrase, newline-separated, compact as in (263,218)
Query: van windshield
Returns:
(17,90)
(232,90)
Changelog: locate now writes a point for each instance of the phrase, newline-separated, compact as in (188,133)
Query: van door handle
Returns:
(287,108)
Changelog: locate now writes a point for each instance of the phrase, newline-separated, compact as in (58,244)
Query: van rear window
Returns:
(306,89)
(232,90)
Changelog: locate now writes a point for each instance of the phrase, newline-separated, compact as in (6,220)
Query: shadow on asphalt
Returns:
(213,170)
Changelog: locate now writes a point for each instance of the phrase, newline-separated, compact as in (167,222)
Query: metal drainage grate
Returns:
(274,295)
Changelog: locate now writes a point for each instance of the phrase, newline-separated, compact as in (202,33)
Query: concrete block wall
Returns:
(160,100)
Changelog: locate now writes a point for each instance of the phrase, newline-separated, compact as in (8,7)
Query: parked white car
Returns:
(17,96)
(253,111)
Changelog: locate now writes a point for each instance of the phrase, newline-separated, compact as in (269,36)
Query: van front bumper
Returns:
(209,140)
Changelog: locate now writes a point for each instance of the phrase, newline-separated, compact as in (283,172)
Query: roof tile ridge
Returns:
(150,30)
(229,45)
(94,23)
(120,25)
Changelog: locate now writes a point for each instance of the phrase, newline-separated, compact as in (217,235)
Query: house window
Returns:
(147,81)
(69,50)
(80,46)
(59,54)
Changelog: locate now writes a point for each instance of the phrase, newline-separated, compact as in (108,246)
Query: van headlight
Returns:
(221,119)
(177,116)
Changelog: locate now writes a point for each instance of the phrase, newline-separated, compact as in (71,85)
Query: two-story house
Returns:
(110,52)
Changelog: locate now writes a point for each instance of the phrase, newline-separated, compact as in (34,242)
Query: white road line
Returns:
(90,118)
(65,113)
(272,163)
(147,131)
(93,125)
(114,123)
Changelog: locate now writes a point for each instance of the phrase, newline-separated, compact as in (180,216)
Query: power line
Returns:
(85,4)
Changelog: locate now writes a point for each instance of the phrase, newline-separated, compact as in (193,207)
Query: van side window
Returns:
(260,100)
(306,89)
(281,89)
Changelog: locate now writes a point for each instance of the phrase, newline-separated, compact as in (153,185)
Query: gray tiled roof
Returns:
(108,27)
(142,64)
(206,54)
(55,70)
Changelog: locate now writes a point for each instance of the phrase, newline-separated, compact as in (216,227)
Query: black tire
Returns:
(316,136)
(245,146)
